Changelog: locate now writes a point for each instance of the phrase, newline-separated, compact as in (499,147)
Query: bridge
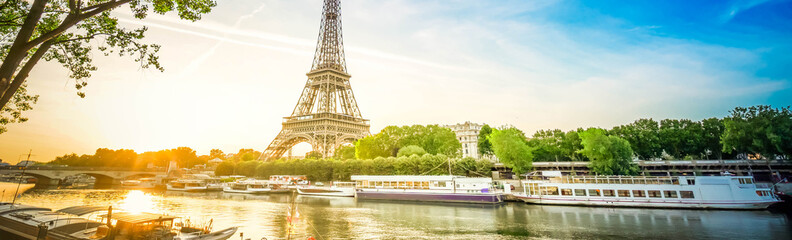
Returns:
(52,175)
(761,169)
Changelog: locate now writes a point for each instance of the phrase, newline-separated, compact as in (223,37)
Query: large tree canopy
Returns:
(609,155)
(759,130)
(510,147)
(433,139)
(63,31)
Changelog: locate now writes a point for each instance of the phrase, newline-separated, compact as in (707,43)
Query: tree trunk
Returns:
(19,50)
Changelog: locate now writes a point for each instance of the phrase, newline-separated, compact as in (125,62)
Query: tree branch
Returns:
(72,20)
(25,71)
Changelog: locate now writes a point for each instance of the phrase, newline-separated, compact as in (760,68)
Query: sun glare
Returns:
(137,202)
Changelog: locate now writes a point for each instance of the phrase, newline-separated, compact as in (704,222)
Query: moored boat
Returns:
(716,192)
(289,181)
(195,183)
(254,187)
(426,188)
(338,189)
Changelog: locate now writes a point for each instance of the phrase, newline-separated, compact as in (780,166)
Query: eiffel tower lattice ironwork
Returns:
(327,114)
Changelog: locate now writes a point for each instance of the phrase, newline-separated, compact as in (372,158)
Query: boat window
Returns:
(639,193)
(763,193)
(550,191)
(691,181)
(580,192)
(441,184)
(675,181)
(654,194)
(594,192)
(640,181)
(624,193)
(670,194)
(566,192)
(746,181)
(425,185)
(686,194)
(608,193)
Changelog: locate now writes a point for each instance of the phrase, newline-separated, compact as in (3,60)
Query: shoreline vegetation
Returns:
(758,132)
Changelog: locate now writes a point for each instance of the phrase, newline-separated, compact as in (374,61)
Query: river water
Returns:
(346,218)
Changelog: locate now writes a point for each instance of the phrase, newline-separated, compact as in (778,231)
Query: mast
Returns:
(24,167)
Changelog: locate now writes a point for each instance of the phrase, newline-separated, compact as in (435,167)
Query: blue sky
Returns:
(763,27)
(231,77)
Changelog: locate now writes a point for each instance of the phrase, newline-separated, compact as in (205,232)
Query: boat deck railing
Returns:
(616,180)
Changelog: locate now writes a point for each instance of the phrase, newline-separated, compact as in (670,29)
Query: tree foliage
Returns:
(510,147)
(484,144)
(123,158)
(340,170)
(345,152)
(69,32)
(762,130)
(216,153)
(225,168)
(643,135)
(432,138)
(411,150)
(609,155)
(313,155)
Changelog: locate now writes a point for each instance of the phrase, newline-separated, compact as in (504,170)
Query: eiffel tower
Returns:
(327,115)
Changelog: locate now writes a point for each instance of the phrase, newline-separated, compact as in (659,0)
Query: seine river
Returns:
(345,218)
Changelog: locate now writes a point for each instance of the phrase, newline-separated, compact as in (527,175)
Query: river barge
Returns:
(456,189)
(701,192)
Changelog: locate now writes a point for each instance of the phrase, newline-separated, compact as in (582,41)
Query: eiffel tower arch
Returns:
(327,114)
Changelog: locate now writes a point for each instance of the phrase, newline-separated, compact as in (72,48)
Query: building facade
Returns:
(467,134)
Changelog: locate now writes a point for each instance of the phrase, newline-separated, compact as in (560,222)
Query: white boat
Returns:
(217,235)
(721,192)
(426,188)
(338,189)
(254,187)
(203,184)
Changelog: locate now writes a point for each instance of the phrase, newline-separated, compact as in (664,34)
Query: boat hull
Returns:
(218,235)
(248,191)
(327,192)
(692,204)
(432,197)
(195,189)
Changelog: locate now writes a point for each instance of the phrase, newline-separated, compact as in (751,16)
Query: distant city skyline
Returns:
(231,77)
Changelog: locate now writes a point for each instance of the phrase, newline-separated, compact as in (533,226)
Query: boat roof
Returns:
(135,218)
(82,210)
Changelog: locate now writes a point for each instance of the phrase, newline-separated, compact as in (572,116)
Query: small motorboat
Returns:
(201,235)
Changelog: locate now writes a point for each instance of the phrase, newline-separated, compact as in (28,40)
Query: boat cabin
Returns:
(289,179)
(442,182)
(139,226)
